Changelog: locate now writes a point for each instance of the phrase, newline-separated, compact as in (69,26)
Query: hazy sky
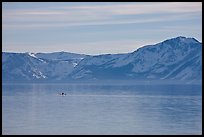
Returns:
(96,28)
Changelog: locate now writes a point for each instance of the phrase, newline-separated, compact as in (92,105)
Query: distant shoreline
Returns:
(111,82)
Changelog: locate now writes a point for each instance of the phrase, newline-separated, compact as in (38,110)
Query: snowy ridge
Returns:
(178,58)
(60,56)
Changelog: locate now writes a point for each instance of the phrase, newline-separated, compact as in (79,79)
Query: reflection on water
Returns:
(101,109)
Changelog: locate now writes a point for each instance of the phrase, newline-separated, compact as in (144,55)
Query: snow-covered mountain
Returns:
(38,67)
(178,58)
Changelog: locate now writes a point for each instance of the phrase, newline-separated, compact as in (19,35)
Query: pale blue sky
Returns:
(96,28)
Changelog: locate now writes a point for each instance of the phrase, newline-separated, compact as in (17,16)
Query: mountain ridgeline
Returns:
(176,59)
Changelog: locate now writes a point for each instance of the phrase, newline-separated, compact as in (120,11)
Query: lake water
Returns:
(101,109)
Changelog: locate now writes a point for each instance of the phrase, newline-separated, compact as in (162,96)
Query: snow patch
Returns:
(38,74)
(74,64)
(33,55)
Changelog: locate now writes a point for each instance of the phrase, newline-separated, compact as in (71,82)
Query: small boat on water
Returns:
(63,94)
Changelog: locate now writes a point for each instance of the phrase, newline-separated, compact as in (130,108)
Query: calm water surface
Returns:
(101,109)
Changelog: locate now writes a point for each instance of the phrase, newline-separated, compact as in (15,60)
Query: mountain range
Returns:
(174,59)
